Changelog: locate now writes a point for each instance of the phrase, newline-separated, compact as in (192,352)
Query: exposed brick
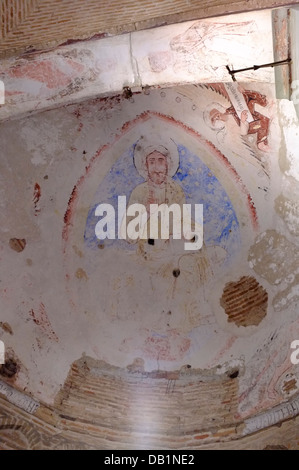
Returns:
(245,302)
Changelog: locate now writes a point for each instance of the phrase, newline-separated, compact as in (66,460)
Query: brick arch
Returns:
(26,430)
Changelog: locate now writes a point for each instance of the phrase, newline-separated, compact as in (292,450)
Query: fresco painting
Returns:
(148,320)
(192,182)
(155,298)
(243,110)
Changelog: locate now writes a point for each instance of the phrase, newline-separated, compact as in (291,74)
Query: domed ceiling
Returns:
(120,338)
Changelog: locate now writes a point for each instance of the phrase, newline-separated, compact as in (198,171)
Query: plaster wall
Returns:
(74,306)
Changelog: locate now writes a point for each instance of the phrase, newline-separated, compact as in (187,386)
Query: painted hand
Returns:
(244,116)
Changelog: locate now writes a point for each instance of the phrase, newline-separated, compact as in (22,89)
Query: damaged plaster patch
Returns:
(288,384)
(81,274)
(38,159)
(289,295)
(17,244)
(274,258)
(290,126)
(288,210)
(41,151)
(245,302)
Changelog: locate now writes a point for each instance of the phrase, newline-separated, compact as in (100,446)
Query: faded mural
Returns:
(243,110)
(146,322)
(156,299)
(189,181)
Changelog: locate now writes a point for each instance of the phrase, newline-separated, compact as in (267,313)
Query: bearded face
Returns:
(157,167)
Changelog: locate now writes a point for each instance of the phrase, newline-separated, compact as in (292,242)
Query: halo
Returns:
(146,145)
(206,115)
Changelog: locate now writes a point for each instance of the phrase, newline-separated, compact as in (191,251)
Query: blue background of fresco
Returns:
(200,186)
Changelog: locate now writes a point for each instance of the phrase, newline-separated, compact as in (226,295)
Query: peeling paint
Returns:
(273,257)
(289,211)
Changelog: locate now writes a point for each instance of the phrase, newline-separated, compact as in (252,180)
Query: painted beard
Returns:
(158,177)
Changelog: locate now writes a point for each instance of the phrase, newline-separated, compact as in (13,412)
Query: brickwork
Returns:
(245,301)
(105,407)
(36,24)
